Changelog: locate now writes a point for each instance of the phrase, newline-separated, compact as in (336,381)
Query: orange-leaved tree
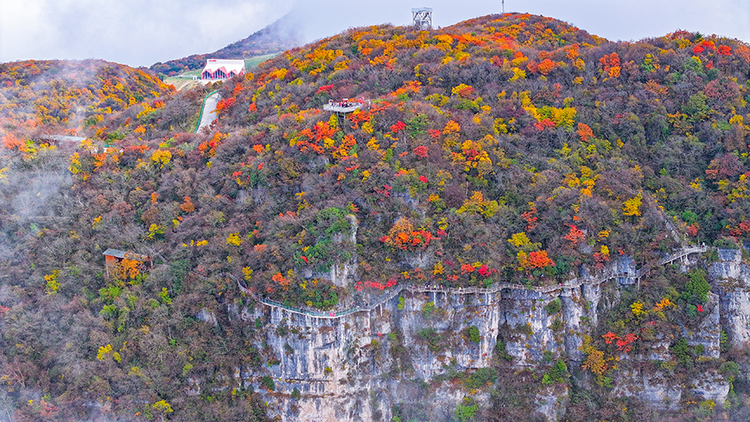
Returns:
(403,236)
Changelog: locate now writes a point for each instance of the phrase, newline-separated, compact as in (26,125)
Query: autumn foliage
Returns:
(403,236)
(505,149)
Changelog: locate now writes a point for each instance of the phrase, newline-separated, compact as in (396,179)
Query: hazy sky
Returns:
(142,32)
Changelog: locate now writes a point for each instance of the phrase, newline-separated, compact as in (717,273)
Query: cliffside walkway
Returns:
(681,255)
(601,278)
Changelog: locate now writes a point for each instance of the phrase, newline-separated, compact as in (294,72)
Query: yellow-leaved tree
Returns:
(632,207)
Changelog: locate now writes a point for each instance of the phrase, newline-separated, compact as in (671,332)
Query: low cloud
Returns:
(142,32)
(135,32)
(632,20)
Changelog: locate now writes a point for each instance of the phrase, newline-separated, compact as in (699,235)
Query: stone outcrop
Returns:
(731,281)
(361,366)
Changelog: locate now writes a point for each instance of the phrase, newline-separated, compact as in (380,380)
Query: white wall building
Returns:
(223,69)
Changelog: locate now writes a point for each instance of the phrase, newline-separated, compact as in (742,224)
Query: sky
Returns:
(143,32)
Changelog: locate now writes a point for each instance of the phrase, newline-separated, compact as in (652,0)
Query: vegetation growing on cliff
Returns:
(510,148)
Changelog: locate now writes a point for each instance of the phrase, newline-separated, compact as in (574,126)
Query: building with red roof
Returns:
(222,69)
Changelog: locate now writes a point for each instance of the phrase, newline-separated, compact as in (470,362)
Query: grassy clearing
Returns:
(180,83)
(255,61)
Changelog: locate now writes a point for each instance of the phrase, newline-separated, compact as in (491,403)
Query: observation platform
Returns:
(62,140)
(343,106)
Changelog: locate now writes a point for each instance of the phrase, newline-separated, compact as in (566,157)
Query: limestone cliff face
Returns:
(664,392)
(360,366)
(731,281)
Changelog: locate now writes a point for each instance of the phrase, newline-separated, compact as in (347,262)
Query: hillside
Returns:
(279,36)
(62,97)
(508,150)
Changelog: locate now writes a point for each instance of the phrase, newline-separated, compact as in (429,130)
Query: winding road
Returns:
(208,110)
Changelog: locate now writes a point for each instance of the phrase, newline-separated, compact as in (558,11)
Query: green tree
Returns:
(466,410)
(697,288)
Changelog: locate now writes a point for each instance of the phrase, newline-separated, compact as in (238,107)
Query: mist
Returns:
(136,33)
(612,20)
(140,33)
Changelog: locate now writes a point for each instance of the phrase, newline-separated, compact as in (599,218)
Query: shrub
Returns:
(729,369)
(725,243)
(689,217)
(267,382)
(711,255)
(467,410)
(431,337)
(557,325)
(558,374)
(697,288)
(525,329)
(500,350)
(428,309)
(554,307)
(681,351)
(472,334)
(481,377)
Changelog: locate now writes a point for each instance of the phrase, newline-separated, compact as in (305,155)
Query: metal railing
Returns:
(570,284)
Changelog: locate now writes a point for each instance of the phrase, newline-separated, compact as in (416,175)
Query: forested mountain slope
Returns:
(61,97)
(513,148)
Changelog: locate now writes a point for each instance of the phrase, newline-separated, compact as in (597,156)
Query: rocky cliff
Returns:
(368,364)
(731,281)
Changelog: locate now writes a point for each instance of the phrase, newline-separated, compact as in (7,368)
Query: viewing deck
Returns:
(62,138)
(341,107)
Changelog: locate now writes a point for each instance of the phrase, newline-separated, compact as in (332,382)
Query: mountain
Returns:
(521,220)
(279,36)
(59,97)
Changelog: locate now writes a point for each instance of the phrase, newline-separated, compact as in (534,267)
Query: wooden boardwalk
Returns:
(601,278)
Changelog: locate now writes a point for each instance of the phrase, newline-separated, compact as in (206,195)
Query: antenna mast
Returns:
(422,17)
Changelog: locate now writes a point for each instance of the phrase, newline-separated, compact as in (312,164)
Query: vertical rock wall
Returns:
(730,279)
(358,367)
